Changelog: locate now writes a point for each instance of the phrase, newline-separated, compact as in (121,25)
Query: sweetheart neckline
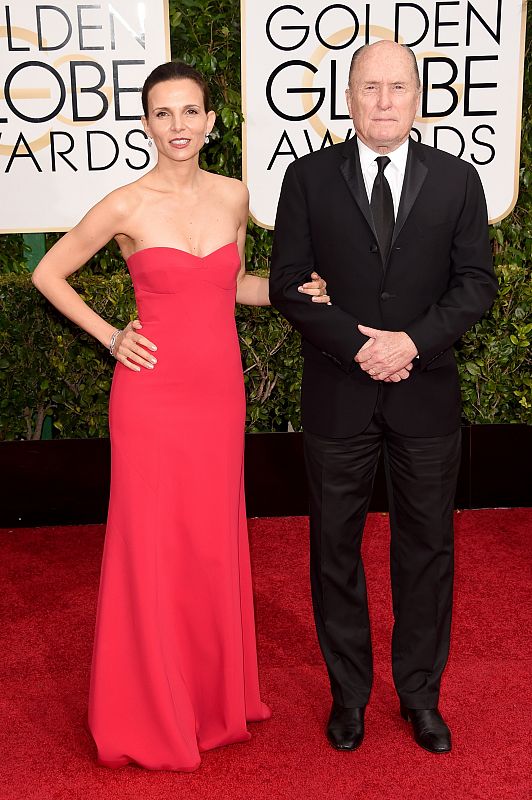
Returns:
(179,250)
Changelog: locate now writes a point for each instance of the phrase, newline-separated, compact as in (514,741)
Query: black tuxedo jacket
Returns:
(436,282)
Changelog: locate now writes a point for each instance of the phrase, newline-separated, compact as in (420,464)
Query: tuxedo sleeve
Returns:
(328,328)
(472,285)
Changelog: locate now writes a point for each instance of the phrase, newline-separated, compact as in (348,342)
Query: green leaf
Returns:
(472,368)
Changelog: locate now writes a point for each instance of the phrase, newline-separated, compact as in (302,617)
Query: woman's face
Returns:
(177,121)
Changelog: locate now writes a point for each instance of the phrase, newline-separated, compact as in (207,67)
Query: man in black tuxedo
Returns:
(399,231)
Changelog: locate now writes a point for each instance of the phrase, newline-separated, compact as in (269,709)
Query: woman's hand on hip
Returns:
(132,349)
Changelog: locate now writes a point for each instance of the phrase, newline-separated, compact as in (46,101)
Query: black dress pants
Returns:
(421,476)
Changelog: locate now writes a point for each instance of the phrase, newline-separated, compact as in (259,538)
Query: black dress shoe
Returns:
(430,730)
(345,729)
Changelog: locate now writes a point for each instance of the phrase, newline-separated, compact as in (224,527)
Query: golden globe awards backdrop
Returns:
(70,105)
(295,62)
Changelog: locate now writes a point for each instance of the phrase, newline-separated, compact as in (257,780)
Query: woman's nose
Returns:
(177,123)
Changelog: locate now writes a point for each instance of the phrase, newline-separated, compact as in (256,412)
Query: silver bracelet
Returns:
(113,341)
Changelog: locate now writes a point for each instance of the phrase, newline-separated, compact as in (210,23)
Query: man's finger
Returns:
(364,354)
(367,331)
(364,347)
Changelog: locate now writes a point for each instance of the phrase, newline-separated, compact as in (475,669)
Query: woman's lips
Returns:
(179,143)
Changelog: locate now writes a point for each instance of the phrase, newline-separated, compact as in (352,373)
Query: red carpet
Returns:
(48,602)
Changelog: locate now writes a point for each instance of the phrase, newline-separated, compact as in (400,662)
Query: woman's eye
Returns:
(161,114)
(192,111)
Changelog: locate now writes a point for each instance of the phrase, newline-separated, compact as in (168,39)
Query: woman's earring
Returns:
(206,138)
(150,141)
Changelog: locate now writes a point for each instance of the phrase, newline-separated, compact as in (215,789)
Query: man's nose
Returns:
(384,97)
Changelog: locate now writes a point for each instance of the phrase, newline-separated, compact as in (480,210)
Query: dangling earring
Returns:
(206,138)
(150,141)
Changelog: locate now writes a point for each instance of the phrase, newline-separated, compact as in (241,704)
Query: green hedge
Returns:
(49,367)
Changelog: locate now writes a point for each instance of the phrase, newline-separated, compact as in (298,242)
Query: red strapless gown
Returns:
(174,667)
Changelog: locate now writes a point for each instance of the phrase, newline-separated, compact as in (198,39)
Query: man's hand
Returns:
(387,355)
(402,375)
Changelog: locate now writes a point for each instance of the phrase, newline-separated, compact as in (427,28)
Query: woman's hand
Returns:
(317,288)
(131,348)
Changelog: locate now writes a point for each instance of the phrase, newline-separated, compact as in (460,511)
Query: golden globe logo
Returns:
(70,105)
(73,89)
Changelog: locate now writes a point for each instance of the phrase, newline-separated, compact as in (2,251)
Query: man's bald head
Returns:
(364,50)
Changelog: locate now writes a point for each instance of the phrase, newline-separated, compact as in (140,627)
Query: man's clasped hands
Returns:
(387,355)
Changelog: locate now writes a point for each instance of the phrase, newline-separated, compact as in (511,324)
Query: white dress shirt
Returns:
(394,172)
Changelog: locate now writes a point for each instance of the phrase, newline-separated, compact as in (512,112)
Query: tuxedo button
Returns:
(387,296)
(373,248)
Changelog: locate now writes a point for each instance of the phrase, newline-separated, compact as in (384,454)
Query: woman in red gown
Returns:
(174,668)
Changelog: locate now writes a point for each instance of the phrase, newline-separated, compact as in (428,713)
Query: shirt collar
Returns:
(398,157)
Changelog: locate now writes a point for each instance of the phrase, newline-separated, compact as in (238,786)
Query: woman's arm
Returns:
(253,290)
(97,228)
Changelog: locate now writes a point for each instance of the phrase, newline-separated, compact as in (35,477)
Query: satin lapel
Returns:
(415,174)
(352,173)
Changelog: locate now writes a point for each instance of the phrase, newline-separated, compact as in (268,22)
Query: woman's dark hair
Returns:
(175,71)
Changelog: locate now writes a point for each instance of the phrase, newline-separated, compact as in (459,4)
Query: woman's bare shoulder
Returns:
(231,187)
(121,202)
(124,200)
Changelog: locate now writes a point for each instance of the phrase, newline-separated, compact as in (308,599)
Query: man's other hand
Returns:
(387,355)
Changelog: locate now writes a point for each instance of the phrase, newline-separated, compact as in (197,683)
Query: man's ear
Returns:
(348,100)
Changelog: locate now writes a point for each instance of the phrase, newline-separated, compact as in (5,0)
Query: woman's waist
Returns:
(177,346)
(187,334)
(178,316)
(181,312)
